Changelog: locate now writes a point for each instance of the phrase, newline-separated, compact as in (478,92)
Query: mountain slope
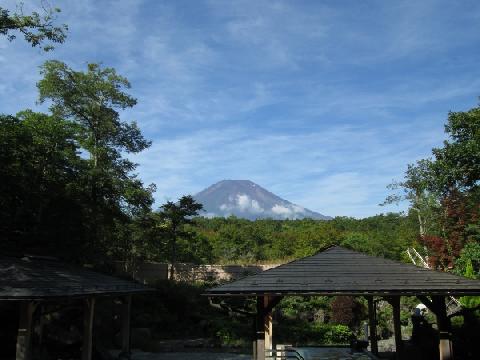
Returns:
(245,199)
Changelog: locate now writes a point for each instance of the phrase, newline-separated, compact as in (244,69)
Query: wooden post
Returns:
(438,307)
(372,321)
(260,330)
(444,328)
(395,302)
(126,316)
(254,340)
(88,312)
(268,326)
(41,325)
(264,326)
(25,329)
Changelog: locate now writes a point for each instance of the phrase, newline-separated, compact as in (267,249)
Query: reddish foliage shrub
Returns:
(346,311)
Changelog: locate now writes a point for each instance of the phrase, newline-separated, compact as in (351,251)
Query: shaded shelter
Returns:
(340,271)
(36,281)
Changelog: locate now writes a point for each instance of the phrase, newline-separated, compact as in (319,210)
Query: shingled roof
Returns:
(36,279)
(340,271)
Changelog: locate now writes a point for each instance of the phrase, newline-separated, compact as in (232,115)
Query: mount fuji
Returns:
(245,199)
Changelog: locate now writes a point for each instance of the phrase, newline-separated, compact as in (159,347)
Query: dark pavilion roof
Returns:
(33,278)
(337,270)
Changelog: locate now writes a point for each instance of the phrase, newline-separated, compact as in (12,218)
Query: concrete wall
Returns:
(148,273)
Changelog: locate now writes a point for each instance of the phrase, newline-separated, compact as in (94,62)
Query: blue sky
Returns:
(322,102)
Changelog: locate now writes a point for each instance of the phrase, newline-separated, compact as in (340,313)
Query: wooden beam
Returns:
(88,312)
(125,317)
(25,329)
(397,328)
(372,321)
(428,303)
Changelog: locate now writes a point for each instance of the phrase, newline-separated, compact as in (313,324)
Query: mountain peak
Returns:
(245,199)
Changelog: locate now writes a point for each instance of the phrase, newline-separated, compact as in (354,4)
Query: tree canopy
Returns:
(444,191)
(64,202)
(38,28)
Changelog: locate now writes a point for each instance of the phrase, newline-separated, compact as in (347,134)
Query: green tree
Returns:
(457,163)
(470,301)
(417,188)
(91,101)
(444,191)
(173,220)
(40,195)
(37,28)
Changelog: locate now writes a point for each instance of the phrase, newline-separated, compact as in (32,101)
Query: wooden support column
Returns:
(25,329)
(438,307)
(125,317)
(263,326)
(397,328)
(268,325)
(260,330)
(444,328)
(88,312)
(41,325)
(254,339)
(372,321)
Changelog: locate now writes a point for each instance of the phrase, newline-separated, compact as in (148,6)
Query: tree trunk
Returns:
(174,257)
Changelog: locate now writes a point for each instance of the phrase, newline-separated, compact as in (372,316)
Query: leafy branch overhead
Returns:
(38,29)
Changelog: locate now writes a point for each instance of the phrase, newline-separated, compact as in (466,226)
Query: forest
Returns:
(68,189)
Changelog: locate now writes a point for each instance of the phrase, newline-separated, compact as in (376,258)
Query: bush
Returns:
(304,333)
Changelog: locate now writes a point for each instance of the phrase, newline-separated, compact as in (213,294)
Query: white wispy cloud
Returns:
(339,171)
(321,103)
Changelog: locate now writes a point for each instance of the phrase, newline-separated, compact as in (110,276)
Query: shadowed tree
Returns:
(40,192)
(174,217)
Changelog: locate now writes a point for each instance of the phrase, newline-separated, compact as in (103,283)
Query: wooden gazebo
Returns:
(340,271)
(35,281)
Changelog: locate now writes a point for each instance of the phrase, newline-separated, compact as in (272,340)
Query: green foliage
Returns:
(295,307)
(244,241)
(457,164)
(470,255)
(468,263)
(310,333)
(36,28)
(54,199)
(172,230)
(40,193)
(444,191)
(92,100)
